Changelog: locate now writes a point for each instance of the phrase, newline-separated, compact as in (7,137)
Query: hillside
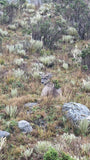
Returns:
(45,80)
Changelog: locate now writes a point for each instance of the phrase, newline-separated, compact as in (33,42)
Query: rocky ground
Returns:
(44,92)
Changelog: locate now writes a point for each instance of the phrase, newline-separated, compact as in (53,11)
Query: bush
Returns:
(65,156)
(86,59)
(77,12)
(56,84)
(51,154)
(85,52)
(43,146)
(48,60)
(50,30)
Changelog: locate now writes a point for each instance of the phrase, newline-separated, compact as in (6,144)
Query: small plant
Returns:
(85,67)
(85,148)
(76,52)
(85,52)
(21,52)
(72,31)
(2,143)
(19,61)
(3,33)
(56,84)
(84,126)
(11,111)
(48,60)
(26,152)
(11,48)
(10,125)
(37,66)
(10,80)
(51,154)
(44,52)
(86,85)
(67,38)
(36,74)
(18,73)
(14,92)
(68,138)
(43,146)
(36,45)
(1,61)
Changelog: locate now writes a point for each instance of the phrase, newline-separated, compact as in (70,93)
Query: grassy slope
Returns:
(48,108)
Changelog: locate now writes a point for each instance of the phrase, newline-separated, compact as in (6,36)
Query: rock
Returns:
(75,112)
(30,106)
(24,126)
(50,90)
(4,134)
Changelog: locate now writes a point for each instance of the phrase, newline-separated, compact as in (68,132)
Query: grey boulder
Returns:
(30,105)
(25,126)
(75,112)
(4,134)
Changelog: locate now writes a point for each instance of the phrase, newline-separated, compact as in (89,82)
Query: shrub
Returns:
(18,73)
(56,84)
(11,111)
(72,31)
(14,92)
(36,45)
(83,126)
(48,60)
(18,61)
(26,152)
(67,38)
(68,138)
(3,33)
(76,12)
(85,52)
(86,58)
(85,148)
(21,52)
(1,61)
(51,154)
(2,143)
(43,146)
(11,48)
(76,52)
(50,31)
(65,156)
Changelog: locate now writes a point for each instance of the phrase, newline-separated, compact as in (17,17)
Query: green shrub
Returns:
(56,84)
(1,61)
(51,154)
(65,156)
(85,67)
(85,52)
